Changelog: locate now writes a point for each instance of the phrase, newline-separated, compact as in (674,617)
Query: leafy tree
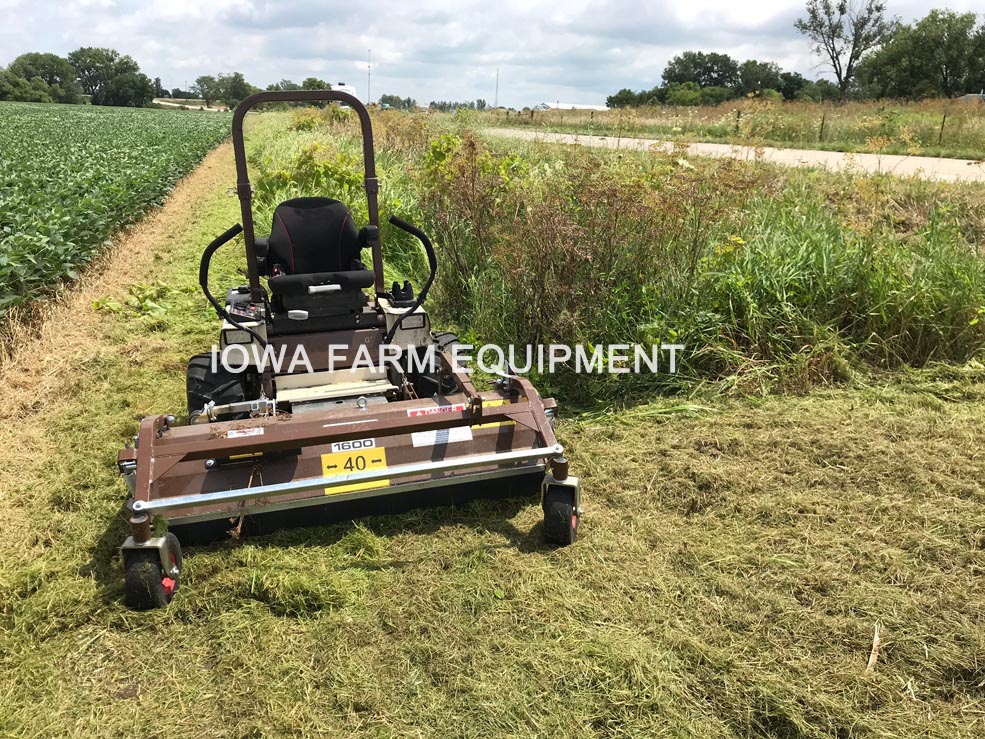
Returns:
(284,86)
(756,76)
(159,91)
(937,56)
(844,32)
(818,91)
(688,93)
(207,88)
(131,90)
(56,72)
(654,96)
(447,106)
(16,88)
(790,84)
(976,75)
(625,98)
(313,83)
(96,68)
(898,69)
(233,88)
(395,101)
(948,39)
(705,70)
(714,95)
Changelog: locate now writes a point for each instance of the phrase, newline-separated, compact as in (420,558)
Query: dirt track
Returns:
(928,168)
(168,104)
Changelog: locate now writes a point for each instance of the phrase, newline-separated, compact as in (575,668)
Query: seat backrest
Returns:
(312,235)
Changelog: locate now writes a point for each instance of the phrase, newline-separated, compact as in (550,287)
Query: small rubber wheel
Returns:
(203,385)
(147,585)
(560,516)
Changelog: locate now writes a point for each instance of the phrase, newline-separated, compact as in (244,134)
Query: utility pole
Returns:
(496,99)
(369,66)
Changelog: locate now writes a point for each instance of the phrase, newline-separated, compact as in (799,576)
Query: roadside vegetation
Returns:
(738,549)
(772,278)
(945,128)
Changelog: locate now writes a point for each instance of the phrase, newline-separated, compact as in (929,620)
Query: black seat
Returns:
(312,262)
(312,235)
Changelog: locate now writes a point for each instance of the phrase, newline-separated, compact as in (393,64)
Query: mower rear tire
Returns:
(147,585)
(560,516)
(203,385)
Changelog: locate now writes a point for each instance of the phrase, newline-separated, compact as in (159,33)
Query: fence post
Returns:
(940,136)
(738,115)
(531,114)
(820,135)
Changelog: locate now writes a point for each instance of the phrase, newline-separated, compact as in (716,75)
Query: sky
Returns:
(574,51)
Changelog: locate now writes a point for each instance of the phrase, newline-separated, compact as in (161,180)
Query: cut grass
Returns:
(734,559)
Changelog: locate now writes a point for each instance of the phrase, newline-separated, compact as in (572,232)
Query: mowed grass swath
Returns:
(71,175)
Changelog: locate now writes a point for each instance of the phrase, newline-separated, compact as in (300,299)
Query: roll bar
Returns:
(245,190)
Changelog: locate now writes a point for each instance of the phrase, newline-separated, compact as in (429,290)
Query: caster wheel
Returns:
(147,585)
(560,516)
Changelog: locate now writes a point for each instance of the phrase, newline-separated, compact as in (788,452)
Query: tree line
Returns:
(100,76)
(448,106)
(106,77)
(870,55)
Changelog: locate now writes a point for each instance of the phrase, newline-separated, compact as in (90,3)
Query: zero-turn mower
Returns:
(268,447)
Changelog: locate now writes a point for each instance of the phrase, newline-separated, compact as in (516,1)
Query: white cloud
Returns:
(580,50)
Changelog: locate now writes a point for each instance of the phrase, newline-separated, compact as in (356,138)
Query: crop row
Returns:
(70,176)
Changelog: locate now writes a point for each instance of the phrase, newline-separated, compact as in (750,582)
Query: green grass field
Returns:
(945,128)
(737,552)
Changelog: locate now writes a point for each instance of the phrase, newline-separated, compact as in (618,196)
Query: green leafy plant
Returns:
(70,176)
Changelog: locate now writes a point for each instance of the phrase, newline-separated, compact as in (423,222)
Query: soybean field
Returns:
(72,175)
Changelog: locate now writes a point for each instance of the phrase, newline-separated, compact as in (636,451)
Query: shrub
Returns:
(687,93)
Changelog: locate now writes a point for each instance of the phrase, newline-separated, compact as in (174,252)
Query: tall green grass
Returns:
(948,128)
(755,270)
(770,278)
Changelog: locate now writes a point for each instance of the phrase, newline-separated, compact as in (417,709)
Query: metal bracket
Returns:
(160,543)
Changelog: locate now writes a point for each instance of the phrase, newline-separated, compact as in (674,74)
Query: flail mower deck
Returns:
(331,437)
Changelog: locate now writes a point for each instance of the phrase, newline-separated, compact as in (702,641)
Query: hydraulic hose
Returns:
(203,280)
(432,265)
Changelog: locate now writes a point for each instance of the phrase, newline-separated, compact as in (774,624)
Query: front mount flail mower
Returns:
(266,448)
